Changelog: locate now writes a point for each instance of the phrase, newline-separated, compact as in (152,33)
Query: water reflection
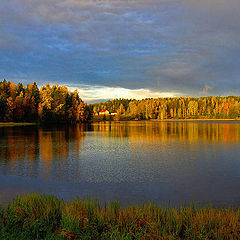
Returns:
(58,143)
(164,131)
(125,160)
(18,143)
(31,143)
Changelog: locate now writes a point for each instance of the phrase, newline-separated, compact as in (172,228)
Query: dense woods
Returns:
(19,103)
(173,108)
(51,104)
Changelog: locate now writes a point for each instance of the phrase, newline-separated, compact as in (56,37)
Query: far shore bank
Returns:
(170,120)
(187,120)
(11,124)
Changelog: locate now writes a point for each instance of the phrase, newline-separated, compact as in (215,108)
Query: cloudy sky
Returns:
(123,48)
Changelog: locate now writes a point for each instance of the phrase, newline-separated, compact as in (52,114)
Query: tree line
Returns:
(19,103)
(173,108)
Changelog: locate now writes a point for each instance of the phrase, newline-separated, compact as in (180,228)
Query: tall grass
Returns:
(47,217)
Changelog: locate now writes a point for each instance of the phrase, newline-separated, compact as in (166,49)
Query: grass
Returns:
(46,217)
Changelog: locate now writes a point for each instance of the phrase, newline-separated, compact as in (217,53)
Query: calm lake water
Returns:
(130,161)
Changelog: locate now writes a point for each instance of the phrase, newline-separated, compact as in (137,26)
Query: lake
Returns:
(176,162)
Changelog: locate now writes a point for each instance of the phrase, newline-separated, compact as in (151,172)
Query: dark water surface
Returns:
(130,161)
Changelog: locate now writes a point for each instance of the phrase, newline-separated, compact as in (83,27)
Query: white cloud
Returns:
(206,89)
(94,93)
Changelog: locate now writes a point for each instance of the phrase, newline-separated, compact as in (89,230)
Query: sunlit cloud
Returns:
(206,89)
(95,93)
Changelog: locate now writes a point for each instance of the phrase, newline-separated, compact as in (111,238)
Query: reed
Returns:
(47,217)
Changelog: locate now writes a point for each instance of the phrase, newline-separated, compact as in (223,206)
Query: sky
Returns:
(123,48)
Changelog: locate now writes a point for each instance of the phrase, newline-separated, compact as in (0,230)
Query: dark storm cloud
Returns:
(177,46)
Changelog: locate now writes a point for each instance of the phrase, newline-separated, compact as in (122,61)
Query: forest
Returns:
(19,103)
(171,108)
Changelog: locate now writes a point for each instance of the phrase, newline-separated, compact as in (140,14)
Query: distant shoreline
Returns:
(170,120)
(187,120)
(11,124)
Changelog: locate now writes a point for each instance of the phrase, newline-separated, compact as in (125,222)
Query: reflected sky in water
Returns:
(131,161)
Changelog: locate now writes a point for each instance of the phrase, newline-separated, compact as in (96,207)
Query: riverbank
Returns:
(47,217)
(197,120)
(12,124)
(170,120)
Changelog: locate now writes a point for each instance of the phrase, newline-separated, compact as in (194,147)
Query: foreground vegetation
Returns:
(46,217)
